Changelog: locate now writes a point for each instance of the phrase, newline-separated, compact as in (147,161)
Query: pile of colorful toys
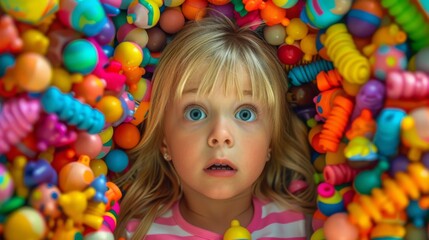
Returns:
(75,83)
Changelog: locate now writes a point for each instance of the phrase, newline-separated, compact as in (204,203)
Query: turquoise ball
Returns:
(80,56)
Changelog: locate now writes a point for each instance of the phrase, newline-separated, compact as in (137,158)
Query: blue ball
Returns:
(116,160)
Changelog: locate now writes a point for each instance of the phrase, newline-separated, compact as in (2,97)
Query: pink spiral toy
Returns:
(16,120)
(406,85)
(339,174)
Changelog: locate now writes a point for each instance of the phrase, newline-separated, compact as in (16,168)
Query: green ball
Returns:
(80,56)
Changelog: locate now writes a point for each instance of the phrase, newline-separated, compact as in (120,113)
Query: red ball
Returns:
(289,54)
(126,136)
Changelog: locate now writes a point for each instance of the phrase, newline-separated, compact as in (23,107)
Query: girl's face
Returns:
(218,143)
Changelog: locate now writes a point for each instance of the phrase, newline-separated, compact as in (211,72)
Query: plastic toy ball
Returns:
(98,167)
(285,3)
(111,107)
(128,54)
(90,89)
(107,146)
(296,30)
(173,3)
(80,56)
(87,17)
(144,14)
(275,35)
(338,227)
(25,223)
(194,9)
(106,134)
(364,18)
(88,144)
(116,160)
(386,59)
(102,233)
(32,12)
(172,20)
(289,54)
(107,33)
(126,136)
(6,184)
(32,72)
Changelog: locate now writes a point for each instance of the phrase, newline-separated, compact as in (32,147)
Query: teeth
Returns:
(220,167)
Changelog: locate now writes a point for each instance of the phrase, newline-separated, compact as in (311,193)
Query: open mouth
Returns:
(220,167)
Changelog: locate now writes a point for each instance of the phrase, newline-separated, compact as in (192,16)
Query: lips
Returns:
(220,165)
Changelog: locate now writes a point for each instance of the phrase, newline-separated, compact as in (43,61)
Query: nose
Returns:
(221,134)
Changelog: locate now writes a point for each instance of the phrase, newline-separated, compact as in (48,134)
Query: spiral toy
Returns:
(386,138)
(410,20)
(393,197)
(72,111)
(16,120)
(303,74)
(336,124)
(405,85)
(339,174)
(351,64)
(328,80)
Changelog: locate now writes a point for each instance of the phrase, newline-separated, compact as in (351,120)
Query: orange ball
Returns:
(33,72)
(126,136)
(194,9)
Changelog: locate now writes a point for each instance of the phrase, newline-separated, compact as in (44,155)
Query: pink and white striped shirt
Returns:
(269,222)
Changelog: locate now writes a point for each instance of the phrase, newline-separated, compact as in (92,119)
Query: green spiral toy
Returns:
(410,20)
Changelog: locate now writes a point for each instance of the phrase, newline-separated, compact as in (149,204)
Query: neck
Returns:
(216,215)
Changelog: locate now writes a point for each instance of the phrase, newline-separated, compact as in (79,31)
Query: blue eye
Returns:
(246,114)
(195,113)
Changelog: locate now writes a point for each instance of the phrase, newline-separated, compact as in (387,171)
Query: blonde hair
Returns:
(221,48)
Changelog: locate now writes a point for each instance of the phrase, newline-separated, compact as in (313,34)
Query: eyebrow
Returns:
(194,90)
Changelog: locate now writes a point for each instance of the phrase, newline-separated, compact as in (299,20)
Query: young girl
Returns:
(220,143)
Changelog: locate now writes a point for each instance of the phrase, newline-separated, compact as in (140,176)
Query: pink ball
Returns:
(338,227)
(88,144)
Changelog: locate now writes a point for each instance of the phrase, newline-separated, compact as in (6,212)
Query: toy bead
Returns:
(329,200)
(352,65)
(237,232)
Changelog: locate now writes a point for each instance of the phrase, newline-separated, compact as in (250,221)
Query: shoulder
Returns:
(273,221)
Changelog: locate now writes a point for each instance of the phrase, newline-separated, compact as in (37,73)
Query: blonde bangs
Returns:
(226,67)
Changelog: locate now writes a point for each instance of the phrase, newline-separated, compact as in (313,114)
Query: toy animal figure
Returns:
(414,132)
(10,41)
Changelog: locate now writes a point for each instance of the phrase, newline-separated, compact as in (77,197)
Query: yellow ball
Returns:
(98,166)
(111,107)
(129,54)
(106,134)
